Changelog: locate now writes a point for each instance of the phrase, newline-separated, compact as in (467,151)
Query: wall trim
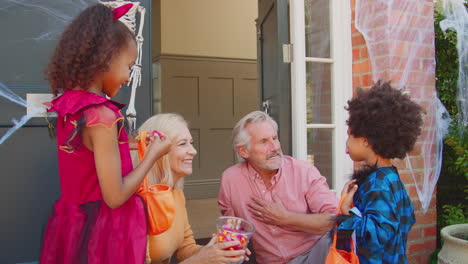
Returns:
(202,58)
(202,182)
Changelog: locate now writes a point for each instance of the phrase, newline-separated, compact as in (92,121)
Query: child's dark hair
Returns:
(387,118)
(86,48)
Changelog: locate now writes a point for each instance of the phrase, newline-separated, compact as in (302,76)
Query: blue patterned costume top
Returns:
(387,216)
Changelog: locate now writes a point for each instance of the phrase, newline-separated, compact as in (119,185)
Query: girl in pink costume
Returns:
(98,218)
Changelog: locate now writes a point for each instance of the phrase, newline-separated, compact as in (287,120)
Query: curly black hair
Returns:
(387,118)
(85,49)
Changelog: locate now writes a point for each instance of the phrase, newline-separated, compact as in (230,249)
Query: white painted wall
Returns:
(214,28)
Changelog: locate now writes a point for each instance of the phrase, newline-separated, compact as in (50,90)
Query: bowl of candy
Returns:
(234,229)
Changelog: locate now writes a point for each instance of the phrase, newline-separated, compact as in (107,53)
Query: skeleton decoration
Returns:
(129,19)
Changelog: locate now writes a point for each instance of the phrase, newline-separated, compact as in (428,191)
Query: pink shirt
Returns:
(298,185)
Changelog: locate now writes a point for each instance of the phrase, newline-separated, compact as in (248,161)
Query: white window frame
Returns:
(341,60)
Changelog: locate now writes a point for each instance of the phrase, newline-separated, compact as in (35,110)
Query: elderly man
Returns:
(287,200)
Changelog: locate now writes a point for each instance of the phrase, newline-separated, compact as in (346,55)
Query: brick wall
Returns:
(422,239)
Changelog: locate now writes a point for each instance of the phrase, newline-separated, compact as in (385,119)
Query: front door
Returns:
(212,95)
(28,158)
(274,80)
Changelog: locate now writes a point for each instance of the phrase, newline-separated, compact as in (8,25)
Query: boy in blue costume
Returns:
(383,124)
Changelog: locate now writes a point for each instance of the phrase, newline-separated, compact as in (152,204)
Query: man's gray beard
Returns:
(275,167)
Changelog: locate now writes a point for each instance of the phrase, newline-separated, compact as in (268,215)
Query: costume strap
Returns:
(120,11)
(141,155)
(335,235)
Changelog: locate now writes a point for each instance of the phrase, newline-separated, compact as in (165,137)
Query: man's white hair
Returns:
(240,136)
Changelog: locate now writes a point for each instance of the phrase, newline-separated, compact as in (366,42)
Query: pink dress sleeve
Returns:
(101,114)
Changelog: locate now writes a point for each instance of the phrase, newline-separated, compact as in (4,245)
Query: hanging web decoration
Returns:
(11,96)
(456,18)
(399,38)
(58,15)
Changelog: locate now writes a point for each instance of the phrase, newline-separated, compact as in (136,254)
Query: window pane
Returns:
(320,151)
(317,28)
(319,93)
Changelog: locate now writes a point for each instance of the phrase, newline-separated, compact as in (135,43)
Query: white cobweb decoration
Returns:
(456,18)
(59,15)
(11,96)
(400,39)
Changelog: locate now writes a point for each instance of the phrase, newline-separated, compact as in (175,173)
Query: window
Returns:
(321,81)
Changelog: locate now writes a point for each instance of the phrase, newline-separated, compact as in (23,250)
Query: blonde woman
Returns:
(171,169)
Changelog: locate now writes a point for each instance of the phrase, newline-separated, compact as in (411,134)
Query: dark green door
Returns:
(29,176)
(274,81)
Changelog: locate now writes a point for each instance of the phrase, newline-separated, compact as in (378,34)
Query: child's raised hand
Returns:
(347,195)
(158,145)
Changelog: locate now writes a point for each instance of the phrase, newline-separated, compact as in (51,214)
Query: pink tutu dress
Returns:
(82,228)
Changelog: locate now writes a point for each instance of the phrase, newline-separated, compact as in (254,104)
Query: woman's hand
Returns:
(348,191)
(215,253)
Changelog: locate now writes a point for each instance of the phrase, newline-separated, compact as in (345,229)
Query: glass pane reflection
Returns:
(319,93)
(320,150)
(317,28)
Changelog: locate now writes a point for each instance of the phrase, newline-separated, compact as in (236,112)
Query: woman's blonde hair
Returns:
(169,124)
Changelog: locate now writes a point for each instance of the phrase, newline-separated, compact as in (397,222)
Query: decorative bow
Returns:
(118,12)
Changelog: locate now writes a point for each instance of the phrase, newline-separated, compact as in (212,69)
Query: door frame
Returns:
(341,47)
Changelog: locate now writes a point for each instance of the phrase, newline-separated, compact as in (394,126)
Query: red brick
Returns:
(356,81)
(397,18)
(364,53)
(426,245)
(422,78)
(433,203)
(416,247)
(412,191)
(421,50)
(362,67)
(415,259)
(428,10)
(416,204)
(415,92)
(367,80)
(381,48)
(428,91)
(426,255)
(415,234)
(427,218)
(416,150)
(358,40)
(408,6)
(430,231)
(431,244)
(406,178)
(398,48)
(356,54)
(354,29)
(428,64)
(423,22)
(417,162)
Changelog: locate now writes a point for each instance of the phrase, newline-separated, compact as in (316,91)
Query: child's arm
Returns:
(104,142)
(377,223)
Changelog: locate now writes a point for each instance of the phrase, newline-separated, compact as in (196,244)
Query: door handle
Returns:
(266,105)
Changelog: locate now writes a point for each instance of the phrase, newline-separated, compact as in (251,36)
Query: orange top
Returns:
(178,239)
